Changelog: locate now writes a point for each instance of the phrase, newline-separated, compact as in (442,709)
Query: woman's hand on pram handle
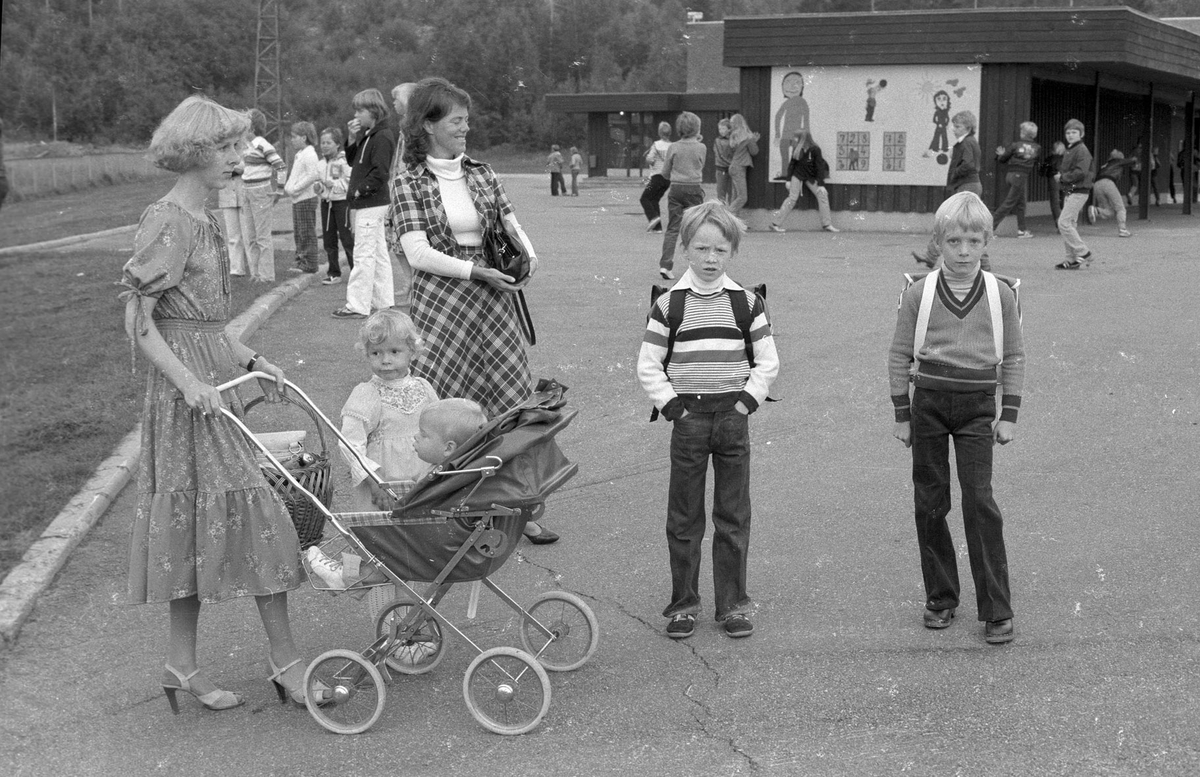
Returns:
(272,388)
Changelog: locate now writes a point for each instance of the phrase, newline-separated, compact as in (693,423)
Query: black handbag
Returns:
(506,254)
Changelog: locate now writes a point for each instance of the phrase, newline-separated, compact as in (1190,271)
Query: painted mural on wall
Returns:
(875,125)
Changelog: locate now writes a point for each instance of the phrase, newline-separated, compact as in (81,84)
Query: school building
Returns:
(876,91)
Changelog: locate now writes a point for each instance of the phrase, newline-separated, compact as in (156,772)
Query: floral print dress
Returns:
(207,523)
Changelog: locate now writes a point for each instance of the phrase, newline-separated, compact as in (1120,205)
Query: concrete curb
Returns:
(46,245)
(41,563)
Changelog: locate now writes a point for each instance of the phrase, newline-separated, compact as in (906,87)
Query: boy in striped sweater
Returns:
(707,388)
(971,343)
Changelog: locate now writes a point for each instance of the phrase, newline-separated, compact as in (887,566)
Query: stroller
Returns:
(459,524)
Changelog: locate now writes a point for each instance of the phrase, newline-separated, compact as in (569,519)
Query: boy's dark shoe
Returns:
(738,626)
(938,619)
(682,626)
(998,632)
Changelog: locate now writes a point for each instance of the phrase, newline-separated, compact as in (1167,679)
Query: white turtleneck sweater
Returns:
(463,221)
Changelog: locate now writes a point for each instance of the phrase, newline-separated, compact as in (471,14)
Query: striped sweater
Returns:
(959,353)
(708,367)
(259,159)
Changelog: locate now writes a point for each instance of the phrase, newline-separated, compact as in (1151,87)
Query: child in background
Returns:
(708,388)
(260,163)
(1021,156)
(1050,173)
(333,176)
(442,427)
(656,185)
(1106,192)
(299,188)
(1075,178)
(961,176)
(722,153)
(370,146)
(807,168)
(684,168)
(576,168)
(554,163)
(955,369)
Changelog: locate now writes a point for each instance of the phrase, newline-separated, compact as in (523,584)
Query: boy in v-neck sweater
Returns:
(955,371)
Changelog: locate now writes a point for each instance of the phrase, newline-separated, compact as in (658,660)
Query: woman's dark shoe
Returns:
(214,700)
(540,535)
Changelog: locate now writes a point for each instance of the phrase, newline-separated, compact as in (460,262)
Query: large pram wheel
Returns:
(422,650)
(576,632)
(507,691)
(358,691)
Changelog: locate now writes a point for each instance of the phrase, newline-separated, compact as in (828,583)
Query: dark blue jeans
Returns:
(680,197)
(725,436)
(936,417)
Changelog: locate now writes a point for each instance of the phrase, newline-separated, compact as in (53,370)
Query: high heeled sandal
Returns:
(297,695)
(214,700)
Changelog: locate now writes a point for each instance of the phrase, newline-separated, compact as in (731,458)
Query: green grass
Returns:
(68,395)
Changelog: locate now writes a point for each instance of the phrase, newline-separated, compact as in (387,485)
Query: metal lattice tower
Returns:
(268,92)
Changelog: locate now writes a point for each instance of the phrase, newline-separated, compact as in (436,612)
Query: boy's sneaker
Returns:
(1024,233)
(329,280)
(1092,215)
(830,228)
(1124,233)
(655,224)
(666,274)
(775,228)
(738,626)
(327,569)
(682,626)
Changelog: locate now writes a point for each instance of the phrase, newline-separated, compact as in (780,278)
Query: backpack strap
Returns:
(928,292)
(991,286)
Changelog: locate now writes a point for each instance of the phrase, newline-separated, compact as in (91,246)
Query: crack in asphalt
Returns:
(703,714)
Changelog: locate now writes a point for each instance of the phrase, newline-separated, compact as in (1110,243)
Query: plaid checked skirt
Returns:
(304,222)
(473,345)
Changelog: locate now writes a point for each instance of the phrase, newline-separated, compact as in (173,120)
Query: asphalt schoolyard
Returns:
(1098,491)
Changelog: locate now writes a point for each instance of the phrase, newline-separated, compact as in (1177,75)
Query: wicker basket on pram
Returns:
(312,470)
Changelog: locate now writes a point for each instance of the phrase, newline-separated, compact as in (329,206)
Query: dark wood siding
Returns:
(756,107)
(1085,37)
(1052,103)
(1004,101)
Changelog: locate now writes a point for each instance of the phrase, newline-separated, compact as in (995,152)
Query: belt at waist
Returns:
(190,325)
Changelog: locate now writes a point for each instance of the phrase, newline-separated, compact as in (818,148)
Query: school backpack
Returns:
(991,287)
(742,314)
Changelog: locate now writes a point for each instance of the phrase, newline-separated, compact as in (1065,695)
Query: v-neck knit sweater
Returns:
(959,353)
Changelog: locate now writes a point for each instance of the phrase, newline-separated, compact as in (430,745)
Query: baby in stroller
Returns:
(444,425)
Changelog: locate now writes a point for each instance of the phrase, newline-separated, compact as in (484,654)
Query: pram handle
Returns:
(487,470)
(295,391)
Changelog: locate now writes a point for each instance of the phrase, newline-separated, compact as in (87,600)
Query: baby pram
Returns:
(458,524)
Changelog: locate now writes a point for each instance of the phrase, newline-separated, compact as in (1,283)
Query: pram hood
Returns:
(533,465)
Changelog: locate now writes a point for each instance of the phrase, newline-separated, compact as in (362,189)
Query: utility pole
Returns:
(268,92)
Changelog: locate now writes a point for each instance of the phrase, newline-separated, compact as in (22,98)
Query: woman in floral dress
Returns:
(208,527)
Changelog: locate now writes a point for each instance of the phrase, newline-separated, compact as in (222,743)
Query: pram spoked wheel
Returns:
(576,632)
(422,650)
(358,691)
(507,691)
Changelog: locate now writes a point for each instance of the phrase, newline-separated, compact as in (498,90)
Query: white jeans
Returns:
(370,285)
(794,191)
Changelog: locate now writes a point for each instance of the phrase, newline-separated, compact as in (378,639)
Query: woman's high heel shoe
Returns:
(213,700)
(297,694)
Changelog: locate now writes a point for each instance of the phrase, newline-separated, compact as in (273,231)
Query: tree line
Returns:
(106,71)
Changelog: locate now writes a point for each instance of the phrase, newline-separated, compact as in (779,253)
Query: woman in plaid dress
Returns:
(442,200)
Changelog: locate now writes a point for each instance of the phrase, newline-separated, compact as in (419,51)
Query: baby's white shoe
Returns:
(327,569)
